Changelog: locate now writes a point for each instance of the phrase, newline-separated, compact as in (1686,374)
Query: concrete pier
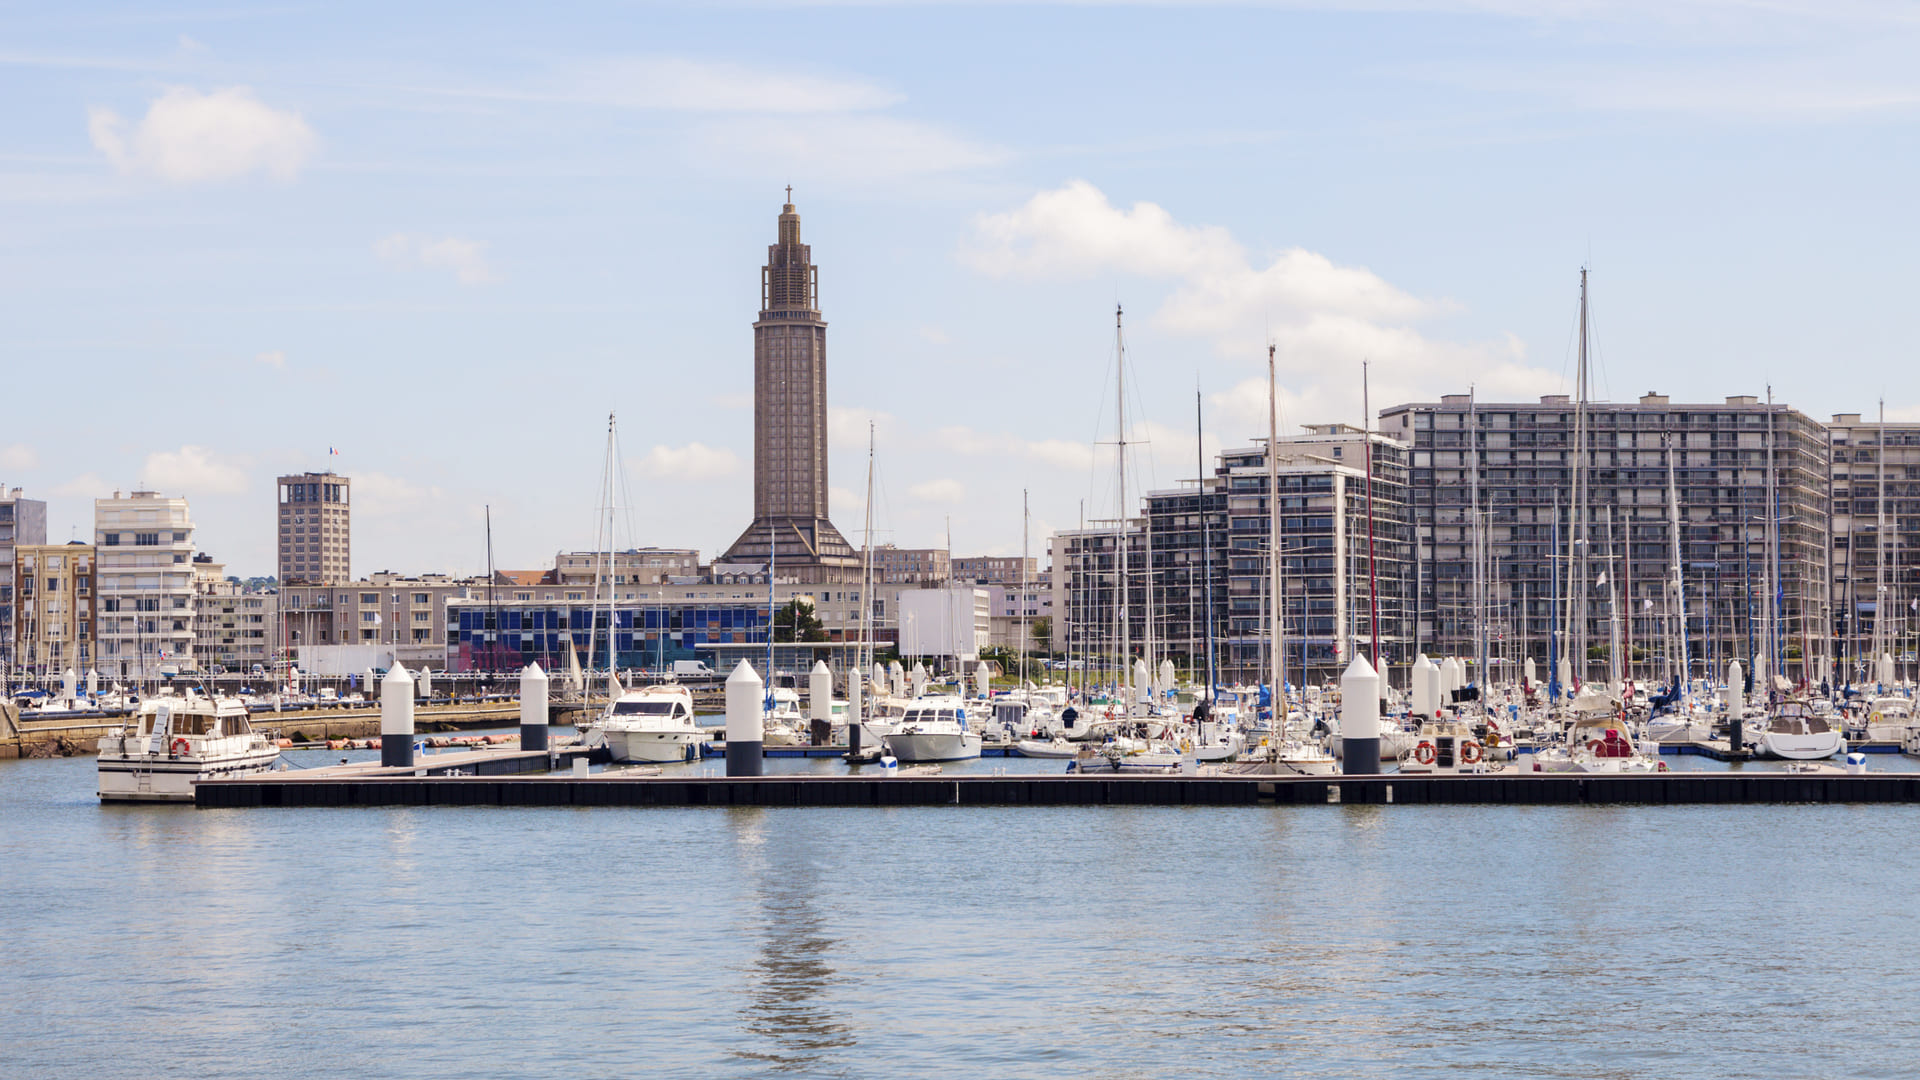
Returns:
(1671,788)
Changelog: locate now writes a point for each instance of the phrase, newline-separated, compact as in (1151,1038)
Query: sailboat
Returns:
(653,723)
(1791,730)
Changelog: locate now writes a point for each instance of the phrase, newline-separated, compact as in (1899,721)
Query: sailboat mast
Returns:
(1373,579)
(863,657)
(1880,547)
(1122,601)
(1479,587)
(1276,636)
(1577,584)
(613,463)
(1679,574)
(1206,530)
(1776,614)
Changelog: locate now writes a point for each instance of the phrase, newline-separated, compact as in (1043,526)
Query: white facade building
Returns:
(955,623)
(144,557)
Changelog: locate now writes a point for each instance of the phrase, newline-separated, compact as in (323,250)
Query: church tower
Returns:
(790,422)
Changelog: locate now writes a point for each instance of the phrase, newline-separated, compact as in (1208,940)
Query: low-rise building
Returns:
(233,629)
(53,590)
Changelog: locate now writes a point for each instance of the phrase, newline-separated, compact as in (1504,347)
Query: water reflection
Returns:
(790,1009)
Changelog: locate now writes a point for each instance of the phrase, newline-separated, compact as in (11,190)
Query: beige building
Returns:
(315,529)
(144,555)
(996,570)
(408,613)
(233,630)
(53,607)
(911,566)
(643,566)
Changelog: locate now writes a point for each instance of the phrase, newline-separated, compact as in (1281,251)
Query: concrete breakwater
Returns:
(20,738)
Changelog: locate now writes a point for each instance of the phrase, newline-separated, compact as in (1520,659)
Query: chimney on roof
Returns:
(1651,398)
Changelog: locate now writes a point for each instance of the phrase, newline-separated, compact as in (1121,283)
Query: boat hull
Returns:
(145,778)
(1812,747)
(932,746)
(653,747)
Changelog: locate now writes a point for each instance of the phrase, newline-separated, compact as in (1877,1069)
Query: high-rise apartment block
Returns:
(315,529)
(144,546)
(1499,476)
(1873,489)
(1332,576)
(53,607)
(22,521)
(790,526)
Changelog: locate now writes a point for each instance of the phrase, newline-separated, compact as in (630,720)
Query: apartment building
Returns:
(233,630)
(315,528)
(1500,476)
(144,552)
(22,521)
(53,590)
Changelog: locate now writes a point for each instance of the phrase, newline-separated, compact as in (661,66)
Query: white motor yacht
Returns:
(1889,719)
(653,723)
(1447,745)
(1794,733)
(174,742)
(933,729)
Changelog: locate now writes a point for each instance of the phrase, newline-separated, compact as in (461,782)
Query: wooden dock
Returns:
(375,787)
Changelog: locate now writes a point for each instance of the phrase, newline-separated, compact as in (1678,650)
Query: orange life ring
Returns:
(180,747)
(1470,753)
(1595,745)
(1424,753)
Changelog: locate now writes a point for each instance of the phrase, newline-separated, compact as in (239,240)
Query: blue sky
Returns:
(448,239)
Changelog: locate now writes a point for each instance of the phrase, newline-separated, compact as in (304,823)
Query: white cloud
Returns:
(938,491)
(189,137)
(843,149)
(1056,453)
(848,425)
(275,359)
(193,470)
(1324,318)
(379,495)
(85,486)
(466,258)
(935,335)
(682,85)
(18,457)
(694,461)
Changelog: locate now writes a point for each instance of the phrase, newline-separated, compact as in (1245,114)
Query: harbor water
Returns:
(1751,941)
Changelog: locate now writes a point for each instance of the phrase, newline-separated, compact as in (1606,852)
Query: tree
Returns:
(1042,630)
(797,622)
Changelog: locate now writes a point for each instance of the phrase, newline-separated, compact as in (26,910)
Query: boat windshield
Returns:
(642,708)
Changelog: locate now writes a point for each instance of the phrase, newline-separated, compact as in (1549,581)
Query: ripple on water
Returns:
(1123,942)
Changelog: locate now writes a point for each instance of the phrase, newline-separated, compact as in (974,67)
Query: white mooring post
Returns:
(820,702)
(1360,718)
(396,717)
(746,725)
(1423,691)
(533,708)
(1736,703)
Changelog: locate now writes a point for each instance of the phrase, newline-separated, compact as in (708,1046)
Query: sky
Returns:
(433,246)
